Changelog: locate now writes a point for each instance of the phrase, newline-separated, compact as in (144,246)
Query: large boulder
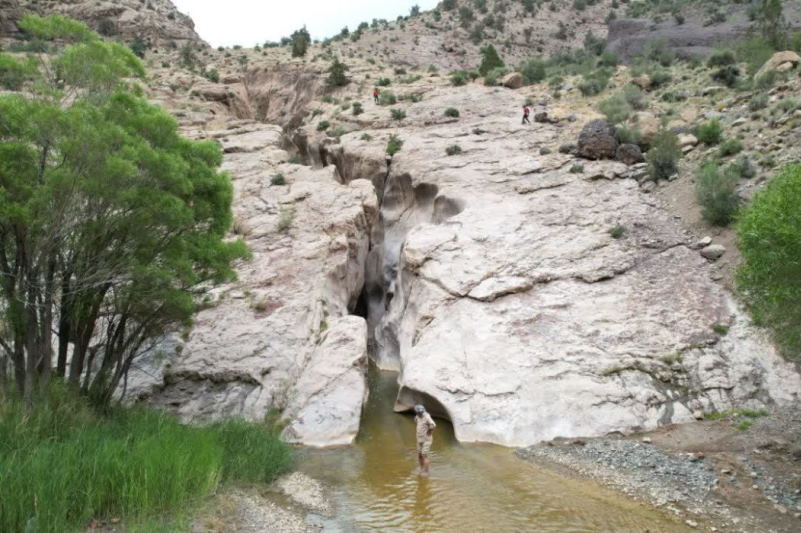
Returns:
(780,62)
(513,80)
(648,125)
(598,141)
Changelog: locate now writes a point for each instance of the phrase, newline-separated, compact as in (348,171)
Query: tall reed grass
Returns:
(62,464)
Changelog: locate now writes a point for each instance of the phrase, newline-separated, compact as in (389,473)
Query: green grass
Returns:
(746,413)
(63,464)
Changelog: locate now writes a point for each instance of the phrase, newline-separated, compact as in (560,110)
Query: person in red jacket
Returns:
(376,93)
(526,113)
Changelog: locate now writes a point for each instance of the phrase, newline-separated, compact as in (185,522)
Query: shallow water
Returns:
(472,488)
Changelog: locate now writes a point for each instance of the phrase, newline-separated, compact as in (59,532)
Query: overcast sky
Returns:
(248,22)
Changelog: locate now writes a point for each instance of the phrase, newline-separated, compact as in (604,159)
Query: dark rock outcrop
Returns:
(629,154)
(597,141)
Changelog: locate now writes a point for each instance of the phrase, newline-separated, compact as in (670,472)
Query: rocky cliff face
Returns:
(509,307)
(156,22)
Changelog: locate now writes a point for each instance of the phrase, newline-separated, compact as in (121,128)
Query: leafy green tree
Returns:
(489,60)
(300,40)
(533,70)
(770,242)
(108,218)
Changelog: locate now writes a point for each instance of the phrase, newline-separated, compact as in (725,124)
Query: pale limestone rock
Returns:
(778,60)
(280,338)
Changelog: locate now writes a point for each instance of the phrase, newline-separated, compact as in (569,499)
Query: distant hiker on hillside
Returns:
(425,436)
(376,94)
(526,113)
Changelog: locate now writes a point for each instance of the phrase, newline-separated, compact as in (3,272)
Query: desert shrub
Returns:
(336,74)
(323,125)
(453,149)
(743,167)
(730,147)
(387,98)
(766,81)
(628,135)
(660,78)
(760,101)
(459,78)
(212,75)
(337,131)
(635,97)
(754,52)
(489,60)
(383,82)
(609,59)
(728,76)
(663,157)
(595,83)
(452,112)
(493,77)
(533,70)
(716,192)
(398,114)
(616,109)
(710,133)
(278,179)
(721,59)
(394,144)
(617,231)
(769,234)
(357,109)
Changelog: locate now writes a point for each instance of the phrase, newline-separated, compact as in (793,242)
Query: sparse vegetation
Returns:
(710,133)
(278,179)
(617,231)
(398,114)
(616,109)
(394,145)
(357,109)
(453,149)
(387,98)
(286,216)
(336,74)
(663,157)
(452,112)
(730,147)
(716,191)
(489,60)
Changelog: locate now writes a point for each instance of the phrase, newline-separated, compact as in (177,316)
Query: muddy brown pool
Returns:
(472,488)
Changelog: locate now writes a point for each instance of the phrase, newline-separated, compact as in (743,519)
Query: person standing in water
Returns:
(425,436)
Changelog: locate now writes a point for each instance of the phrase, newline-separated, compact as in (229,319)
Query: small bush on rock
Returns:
(394,144)
(730,147)
(454,149)
(759,102)
(398,114)
(278,179)
(663,157)
(459,78)
(357,109)
(716,192)
(710,133)
(452,112)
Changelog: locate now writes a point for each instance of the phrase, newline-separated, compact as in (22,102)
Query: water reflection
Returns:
(472,488)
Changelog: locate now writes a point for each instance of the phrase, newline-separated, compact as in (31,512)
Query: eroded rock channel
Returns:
(490,280)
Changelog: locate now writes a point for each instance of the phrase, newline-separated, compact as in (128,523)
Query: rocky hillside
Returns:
(451,36)
(523,291)
(154,22)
